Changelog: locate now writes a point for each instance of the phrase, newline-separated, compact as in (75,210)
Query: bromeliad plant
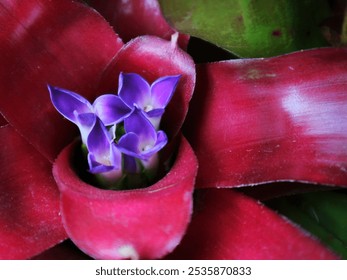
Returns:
(120,133)
(267,133)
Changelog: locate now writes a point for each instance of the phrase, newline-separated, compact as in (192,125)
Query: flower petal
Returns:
(43,42)
(155,113)
(85,123)
(30,221)
(96,167)
(140,223)
(276,119)
(163,89)
(141,126)
(159,144)
(100,148)
(134,18)
(68,103)
(153,58)
(110,109)
(141,138)
(129,145)
(228,225)
(133,89)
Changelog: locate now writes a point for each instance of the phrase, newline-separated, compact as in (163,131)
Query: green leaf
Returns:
(323,214)
(251,28)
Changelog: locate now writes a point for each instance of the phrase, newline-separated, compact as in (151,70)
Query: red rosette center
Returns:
(129,224)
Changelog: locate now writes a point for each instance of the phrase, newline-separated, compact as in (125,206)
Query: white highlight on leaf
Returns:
(128,252)
(317,115)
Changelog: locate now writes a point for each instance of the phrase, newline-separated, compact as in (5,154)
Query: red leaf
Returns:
(62,43)
(276,119)
(229,225)
(135,18)
(144,223)
(29,200)
(153,57)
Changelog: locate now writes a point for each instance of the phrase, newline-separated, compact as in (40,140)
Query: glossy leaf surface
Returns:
(276,119)
(251,28)
(134,18)
(29,200)
(61,43)
(143,223)
(228,225)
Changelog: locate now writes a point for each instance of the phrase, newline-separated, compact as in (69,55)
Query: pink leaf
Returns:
(62,43)
(275,119)
(135,18)
(29,200)
(143,223)
(228,225)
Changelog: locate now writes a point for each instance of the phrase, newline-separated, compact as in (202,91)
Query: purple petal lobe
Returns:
(155,113)
(141,140)
(101,148)
(67,103)
(110,109)
(162,90)
(85,119)
(129,144)
(141,126)
(159,144)
(133,89)
(85,123)
(98,141)
(96,167)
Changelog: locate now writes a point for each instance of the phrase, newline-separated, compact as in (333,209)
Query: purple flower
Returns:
(152,99)
(75,108)
(103,158)
(109,108)
(119,132)
(141,140)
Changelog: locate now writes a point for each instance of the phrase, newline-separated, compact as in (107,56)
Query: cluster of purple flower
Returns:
(120,132)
